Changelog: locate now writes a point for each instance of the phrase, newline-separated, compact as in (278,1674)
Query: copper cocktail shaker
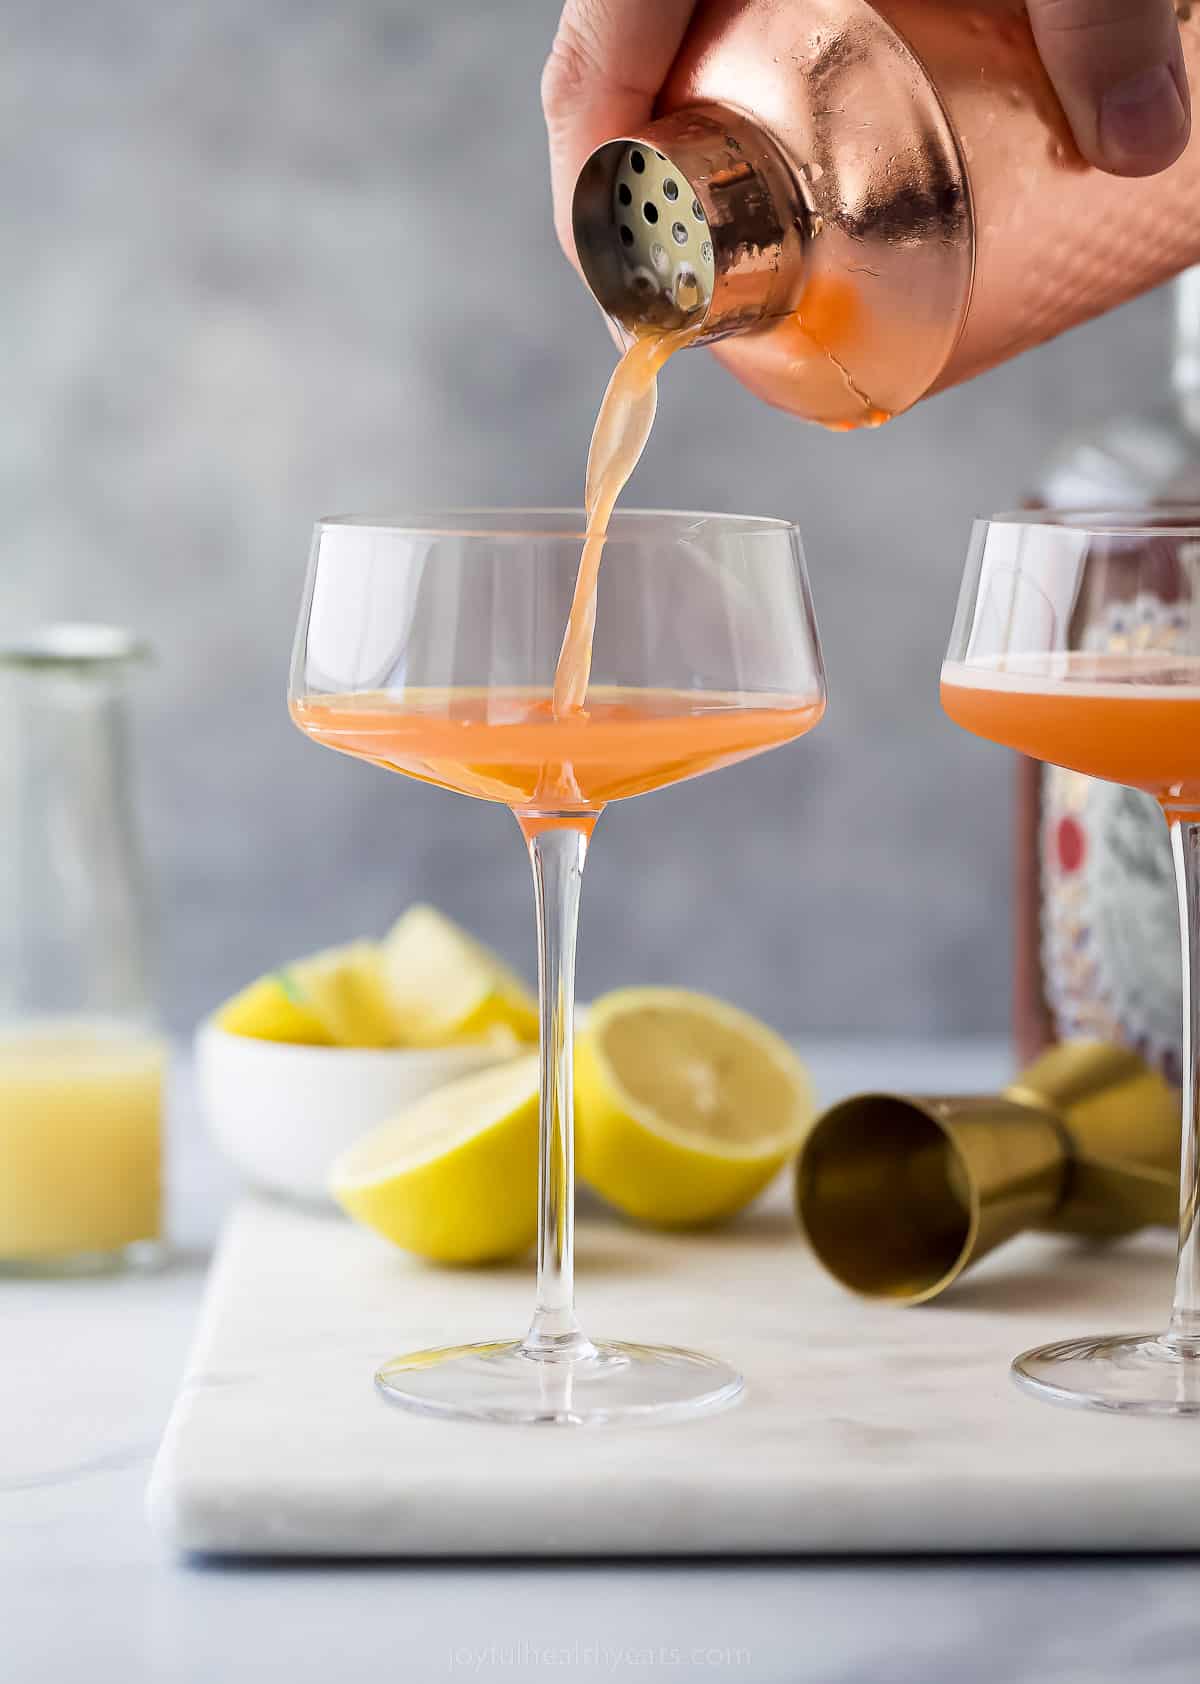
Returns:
(866,202)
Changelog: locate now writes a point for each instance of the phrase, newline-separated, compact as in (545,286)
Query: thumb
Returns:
(1117,66)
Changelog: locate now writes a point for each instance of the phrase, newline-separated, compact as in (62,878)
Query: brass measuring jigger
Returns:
(899,1194)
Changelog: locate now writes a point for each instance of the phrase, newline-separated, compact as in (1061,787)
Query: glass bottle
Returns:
(1097,948)
(81,1066)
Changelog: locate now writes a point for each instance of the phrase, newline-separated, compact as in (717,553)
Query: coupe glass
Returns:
(1077,641)
(428,646)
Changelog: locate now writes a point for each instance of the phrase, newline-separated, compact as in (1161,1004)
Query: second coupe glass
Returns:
(1077,641)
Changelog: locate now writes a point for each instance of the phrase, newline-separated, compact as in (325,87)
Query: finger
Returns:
(605,68)
(1118,68)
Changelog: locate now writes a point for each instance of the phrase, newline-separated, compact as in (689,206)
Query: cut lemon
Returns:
(345,988)
(446,988)
(336,998)
(269,1011)
(685,1107)
(454,1176)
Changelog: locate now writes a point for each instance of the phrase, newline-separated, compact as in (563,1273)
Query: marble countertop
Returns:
(90,1372)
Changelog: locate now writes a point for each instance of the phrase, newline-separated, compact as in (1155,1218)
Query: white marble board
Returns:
(864,1428)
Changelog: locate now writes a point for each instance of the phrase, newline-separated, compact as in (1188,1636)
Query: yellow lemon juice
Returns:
(80,1139)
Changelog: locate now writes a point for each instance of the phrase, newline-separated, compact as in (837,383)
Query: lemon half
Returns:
(685,1107)
(446,988)
(454,1176)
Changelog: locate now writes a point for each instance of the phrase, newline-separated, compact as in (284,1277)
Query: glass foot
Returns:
(1135,1374)
(500,1382)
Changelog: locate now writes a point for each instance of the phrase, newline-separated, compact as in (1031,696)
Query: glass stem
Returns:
(558,856)
(1184,1329)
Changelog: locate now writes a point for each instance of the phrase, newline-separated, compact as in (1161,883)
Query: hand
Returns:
(1117,66)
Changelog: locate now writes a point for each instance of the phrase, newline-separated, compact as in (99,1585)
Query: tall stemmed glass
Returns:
(429,647)
(1077,641)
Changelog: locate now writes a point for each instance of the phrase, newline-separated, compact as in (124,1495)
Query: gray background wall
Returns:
(268,261)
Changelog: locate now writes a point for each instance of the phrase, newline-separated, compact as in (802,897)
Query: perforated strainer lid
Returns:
(694,220)
(663,230)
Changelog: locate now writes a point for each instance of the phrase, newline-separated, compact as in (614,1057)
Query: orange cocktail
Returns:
(435,648)
(1127,718)
(508,745)
(1076,641)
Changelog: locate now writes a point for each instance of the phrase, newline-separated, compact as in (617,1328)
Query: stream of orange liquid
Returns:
(618,439)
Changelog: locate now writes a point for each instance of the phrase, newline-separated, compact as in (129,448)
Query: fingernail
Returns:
(1142,120)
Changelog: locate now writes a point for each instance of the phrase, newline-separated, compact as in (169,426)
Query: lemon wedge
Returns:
(685,1107)
(345,988)
(336,998)
(268,1010)
(446,988)
(453,1177)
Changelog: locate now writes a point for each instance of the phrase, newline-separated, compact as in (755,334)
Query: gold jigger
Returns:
(899,1194)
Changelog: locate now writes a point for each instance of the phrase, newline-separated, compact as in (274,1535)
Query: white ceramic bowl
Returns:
(281,1113)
